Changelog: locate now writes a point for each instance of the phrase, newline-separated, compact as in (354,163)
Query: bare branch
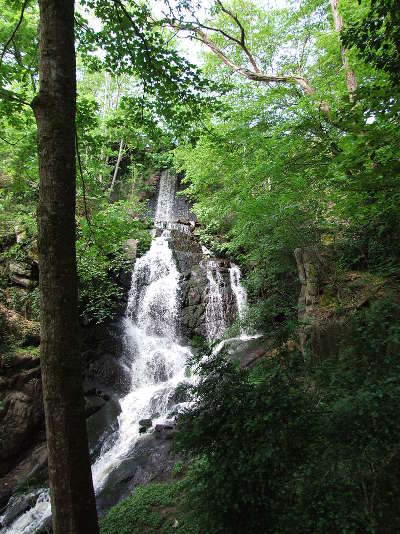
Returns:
(254,76)
(21,17)
(242,35)
(351,80)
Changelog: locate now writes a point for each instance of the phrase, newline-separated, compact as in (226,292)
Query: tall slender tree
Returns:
(72,495)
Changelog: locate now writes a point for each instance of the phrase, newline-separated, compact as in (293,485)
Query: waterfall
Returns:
(155,358)
(215,316)
(238,290)
(153,355)
(166,197)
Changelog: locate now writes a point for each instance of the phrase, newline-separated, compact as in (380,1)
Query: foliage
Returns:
(304,448)
(376,34)
(100,256)
(152,508)
(279,170)
(252,437)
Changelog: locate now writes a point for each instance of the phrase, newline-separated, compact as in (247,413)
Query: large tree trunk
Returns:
(72,496)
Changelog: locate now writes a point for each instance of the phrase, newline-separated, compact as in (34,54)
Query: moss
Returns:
(31,350)
(154,508)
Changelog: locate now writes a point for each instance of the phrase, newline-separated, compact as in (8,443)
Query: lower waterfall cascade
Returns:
(155,356)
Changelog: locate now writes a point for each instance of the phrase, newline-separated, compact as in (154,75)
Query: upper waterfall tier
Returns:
(166,197)
(167,206)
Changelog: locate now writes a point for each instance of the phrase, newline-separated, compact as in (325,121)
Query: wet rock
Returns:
(150,460)
(146,423)
(165,431)
(130,249)
(245,351)
(124,279)
(19,504)
(107,374)
(93,404)
(102,422)
(31,467)
(181,394)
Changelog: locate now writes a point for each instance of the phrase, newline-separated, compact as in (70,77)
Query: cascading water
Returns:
(215,316)
(166,198)
(153,355)
(238,290)
(156,359)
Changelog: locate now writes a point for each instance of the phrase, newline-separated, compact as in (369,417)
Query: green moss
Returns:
(31,350)
(152,508)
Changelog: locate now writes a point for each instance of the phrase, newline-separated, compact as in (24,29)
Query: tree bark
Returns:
(72,495)
(351,80)
(121,146)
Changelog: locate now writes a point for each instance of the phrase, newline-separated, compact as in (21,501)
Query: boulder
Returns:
(151,460)
(23,282)
(102,423)
(21,416)
(20,269)
(32,465)
(130,249)
(165,431)
(245,351)
(18,504)
(146,423)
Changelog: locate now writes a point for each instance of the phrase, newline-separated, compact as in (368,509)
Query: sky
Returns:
(192,49)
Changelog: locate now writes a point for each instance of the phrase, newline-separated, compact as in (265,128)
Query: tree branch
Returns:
(21,17)
(242,41)
(10,95)
(255,76)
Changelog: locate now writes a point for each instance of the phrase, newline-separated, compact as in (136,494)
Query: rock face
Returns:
(325,302)
(22,447)
(193,265)
(21,416)
(310,266)
(151,461)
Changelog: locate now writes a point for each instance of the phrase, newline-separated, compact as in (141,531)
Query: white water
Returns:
(158,360)
(166,197)
(238,290)
(215,316)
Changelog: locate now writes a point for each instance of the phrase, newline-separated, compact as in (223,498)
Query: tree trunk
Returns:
(121,146)
(351,80)
(72,496)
